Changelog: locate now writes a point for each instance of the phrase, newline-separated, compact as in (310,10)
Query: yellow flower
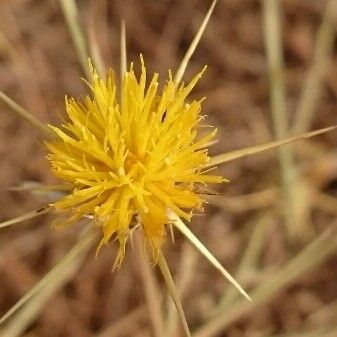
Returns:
(132,162)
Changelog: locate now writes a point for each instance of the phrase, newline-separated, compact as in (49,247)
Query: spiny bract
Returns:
(134,160)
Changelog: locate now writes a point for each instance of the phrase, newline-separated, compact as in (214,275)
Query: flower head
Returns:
(132,160)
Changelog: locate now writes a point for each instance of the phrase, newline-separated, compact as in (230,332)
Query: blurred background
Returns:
(273,225)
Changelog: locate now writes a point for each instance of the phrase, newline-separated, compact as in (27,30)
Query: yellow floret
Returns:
(132,160)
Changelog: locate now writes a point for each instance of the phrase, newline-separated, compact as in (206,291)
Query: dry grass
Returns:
(292,282)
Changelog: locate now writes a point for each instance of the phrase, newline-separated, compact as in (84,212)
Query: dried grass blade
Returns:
(178,223)
(123,51)
(23,113)
(83,244)
(35,305)
(50,193)
(150,285)
(313,84)
(273,43)
(26,216)
(250,255)
(229,156)
(183,65)
(173,291)
(37,187)
(185,277)
(273,46)
(315,253)
(70,12)
(98,12)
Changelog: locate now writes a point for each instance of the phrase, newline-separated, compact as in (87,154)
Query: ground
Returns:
(39,66)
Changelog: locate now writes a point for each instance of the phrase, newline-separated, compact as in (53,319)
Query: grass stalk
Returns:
(123,51)
(70,12)
(313,84)
(150,287)
(311,256)
(250,256)
(23,113)
(26,315)
(173,291)
(190,51)
(27,216)
(248,151)
(185,276)
(33,186)
(272,34)
(97,12)
(179,224)
(82,245)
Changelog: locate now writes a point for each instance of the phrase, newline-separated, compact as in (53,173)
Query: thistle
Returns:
(131,162)
(132,157)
